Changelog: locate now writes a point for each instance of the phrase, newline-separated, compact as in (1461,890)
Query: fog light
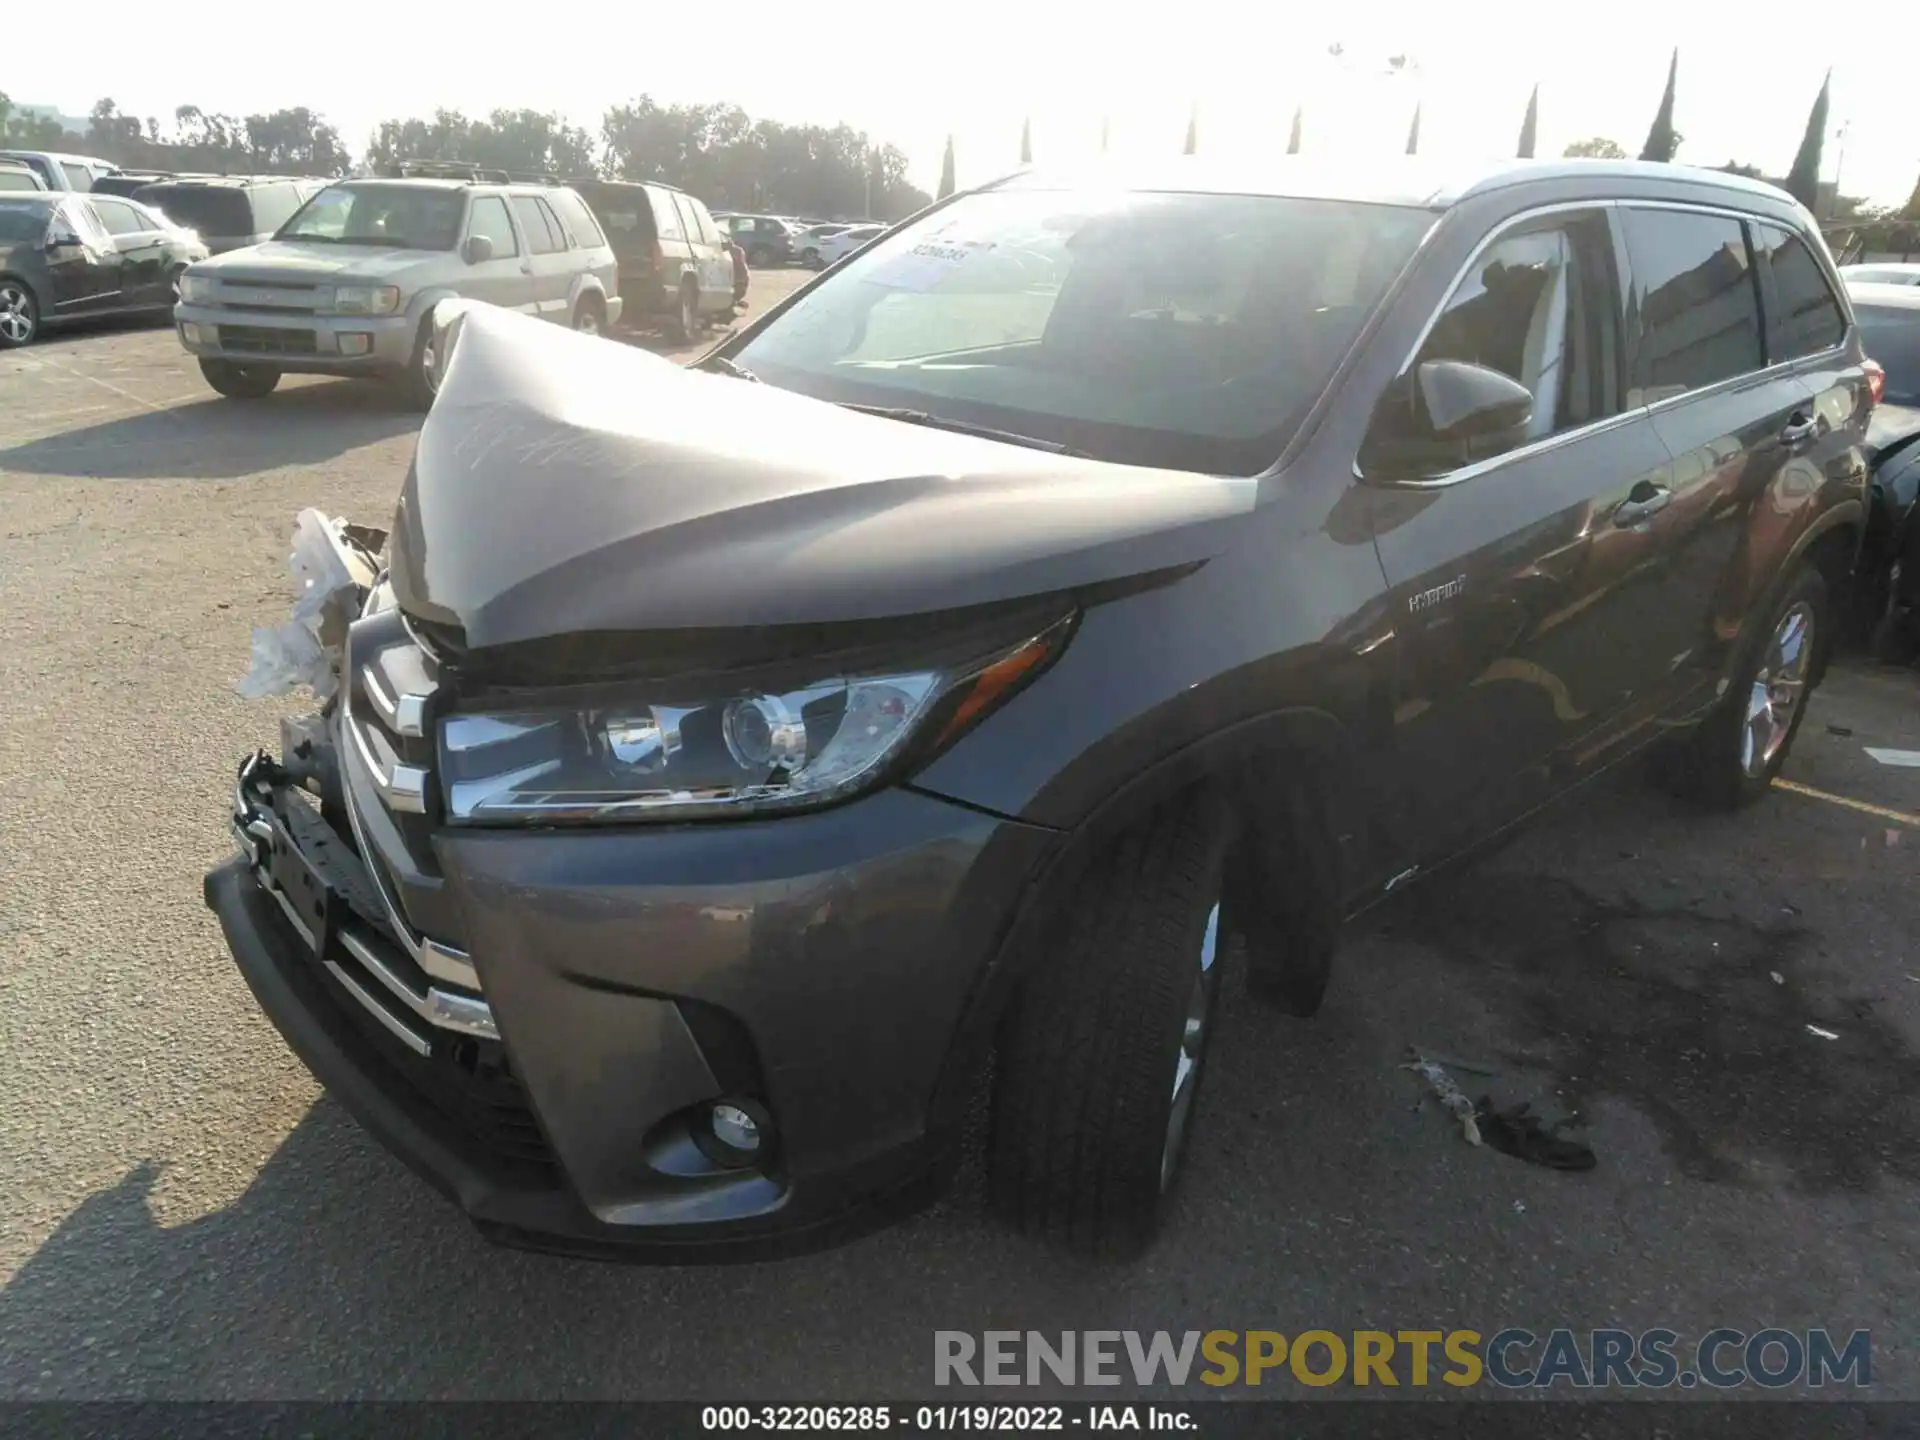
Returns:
(189,333)
(353,343)
(734,1132)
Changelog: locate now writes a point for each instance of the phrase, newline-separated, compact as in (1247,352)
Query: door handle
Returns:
(1799,430)
(1643,502)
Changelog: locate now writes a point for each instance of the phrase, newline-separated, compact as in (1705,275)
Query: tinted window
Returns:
(1891,335)
(119,219)
(273,206)
(489,218)
(11,179)
(666,219)
(1693,293)
(532,215)
(1540,307)
(79,177)
(1164,329)
(578,219)
(23,222)
(215,210)
(1808,319)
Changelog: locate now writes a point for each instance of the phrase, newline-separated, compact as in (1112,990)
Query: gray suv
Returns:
(348,285)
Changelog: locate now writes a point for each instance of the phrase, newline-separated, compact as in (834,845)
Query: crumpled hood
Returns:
(1890,425)
(565,484)
(292,260)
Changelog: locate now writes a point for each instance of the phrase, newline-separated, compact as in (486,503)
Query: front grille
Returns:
(267,295)
(267,340)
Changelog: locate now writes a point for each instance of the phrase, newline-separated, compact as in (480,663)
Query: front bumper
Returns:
(296,341)
(824,966)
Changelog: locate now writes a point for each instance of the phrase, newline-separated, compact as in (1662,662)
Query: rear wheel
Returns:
(240,382)
(1102,1053)
(19,314)
(1734,754)
(687,320)
(590,317)
(759,256)
(810,258)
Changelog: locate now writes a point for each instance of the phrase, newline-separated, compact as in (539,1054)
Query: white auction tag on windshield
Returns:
(925,265)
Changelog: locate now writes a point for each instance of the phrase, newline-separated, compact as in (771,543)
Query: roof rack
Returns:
(462,170)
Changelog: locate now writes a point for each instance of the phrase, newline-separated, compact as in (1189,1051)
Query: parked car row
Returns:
(62,172)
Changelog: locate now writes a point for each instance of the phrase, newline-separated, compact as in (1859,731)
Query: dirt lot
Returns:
(183,1213)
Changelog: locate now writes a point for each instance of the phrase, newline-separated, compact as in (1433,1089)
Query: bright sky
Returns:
(914,73)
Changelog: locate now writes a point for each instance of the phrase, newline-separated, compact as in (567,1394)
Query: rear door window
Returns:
(1694,300)
(216,210)
(578,219)
(1806,317)
(543,237)
(118,218)
(666,219)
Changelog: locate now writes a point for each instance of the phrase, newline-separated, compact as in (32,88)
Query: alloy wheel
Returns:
(1778,688)
(1193,1043)
(430,365)
(16,314)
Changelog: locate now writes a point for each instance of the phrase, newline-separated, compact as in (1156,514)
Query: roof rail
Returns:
(465,170)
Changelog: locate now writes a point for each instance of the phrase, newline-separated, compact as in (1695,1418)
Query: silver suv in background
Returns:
(348,285)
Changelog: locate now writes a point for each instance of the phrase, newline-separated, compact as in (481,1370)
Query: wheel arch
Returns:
(1252,769)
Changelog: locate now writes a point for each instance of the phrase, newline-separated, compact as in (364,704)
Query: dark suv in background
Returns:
(231,212)
(675,264)
(1078,581)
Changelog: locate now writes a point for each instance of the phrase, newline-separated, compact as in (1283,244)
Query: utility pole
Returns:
(1839,164)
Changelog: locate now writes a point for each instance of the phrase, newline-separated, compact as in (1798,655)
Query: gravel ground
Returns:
(184,1214)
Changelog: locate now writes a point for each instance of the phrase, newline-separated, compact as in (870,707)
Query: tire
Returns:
(1103,1050)
(19,314)
(422,380)
(590,317)
(759,257)
(810,258)
(1290,930)
(240,382)
(1732,756)
(686,321)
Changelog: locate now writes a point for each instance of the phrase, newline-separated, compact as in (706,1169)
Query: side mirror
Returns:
(477,250)
(1446,414)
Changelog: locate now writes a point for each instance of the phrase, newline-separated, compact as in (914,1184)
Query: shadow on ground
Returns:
(220,439)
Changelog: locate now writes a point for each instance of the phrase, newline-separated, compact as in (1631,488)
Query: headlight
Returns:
(195,289)
(679,757)
(366,299)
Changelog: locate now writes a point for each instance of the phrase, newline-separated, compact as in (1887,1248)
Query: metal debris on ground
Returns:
(1447,1093)
(1777,977)
(1823,1034)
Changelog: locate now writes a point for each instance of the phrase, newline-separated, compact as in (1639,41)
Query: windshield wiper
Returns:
(963,427)
(727,367)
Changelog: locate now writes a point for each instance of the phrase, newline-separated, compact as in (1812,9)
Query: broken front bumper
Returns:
(826,966)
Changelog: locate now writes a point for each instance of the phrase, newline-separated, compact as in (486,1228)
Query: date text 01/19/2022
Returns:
(934,1419)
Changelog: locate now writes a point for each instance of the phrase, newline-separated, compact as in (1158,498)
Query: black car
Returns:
(67,257)
(766,239)
(1073,584)
(1889,316)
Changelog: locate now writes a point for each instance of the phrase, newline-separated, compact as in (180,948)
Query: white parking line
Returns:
(1909,759)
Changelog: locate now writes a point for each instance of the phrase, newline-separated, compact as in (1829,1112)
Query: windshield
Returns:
(404,217)
(20,223)
(1188,331)
(1891,335)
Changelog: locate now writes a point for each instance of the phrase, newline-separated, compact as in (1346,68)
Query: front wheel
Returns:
(240,382)
(1102,1053)
(19,314)
(1732,757)
(687,320)
(589,318)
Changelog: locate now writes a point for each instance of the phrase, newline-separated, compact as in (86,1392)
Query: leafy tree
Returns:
(1293,136)
(1026,141)
(1803,180)
(524,140)
(1751,172)
(1530,126)
(1597,148)
(1663,141)
(946,172)
(1413,133)
(1193,131)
